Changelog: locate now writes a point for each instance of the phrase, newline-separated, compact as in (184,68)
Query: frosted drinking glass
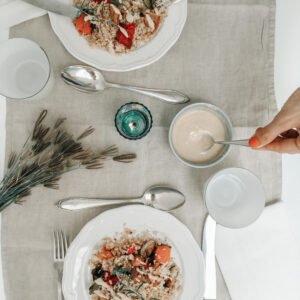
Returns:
(24,69)
(234,197)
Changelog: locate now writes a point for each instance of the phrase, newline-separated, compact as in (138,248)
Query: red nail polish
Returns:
(254,142)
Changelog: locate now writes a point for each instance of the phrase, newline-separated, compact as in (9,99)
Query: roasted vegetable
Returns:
(148,248)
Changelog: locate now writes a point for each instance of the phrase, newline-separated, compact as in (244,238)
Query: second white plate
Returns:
(186,252)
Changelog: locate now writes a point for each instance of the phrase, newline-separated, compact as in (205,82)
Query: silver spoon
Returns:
(209,142)
(90,80)
(160,197)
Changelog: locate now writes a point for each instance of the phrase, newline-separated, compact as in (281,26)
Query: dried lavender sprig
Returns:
(12,194)
(125,158)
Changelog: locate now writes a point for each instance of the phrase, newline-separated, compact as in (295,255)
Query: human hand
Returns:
(282,134)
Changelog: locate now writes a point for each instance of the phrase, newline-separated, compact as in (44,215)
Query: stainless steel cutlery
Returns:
(163,198)
(60,246)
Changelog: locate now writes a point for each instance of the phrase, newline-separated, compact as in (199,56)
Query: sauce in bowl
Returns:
(191,135)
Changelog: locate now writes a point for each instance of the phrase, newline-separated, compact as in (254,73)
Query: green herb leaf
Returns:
(140,286)
(116,3)
(148,4)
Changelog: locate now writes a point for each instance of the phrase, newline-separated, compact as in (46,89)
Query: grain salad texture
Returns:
(119,26)
(134,267)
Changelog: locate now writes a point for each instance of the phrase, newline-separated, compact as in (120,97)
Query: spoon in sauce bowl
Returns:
(208,142)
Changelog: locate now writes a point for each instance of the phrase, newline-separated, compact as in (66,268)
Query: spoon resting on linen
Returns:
(90,80)
(160,197)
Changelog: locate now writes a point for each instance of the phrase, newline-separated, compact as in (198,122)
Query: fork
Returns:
(59,252)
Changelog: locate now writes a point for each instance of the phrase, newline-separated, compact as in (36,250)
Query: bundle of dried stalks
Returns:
(48,153)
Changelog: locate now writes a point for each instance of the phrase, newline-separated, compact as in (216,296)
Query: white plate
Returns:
(185,250)
(165,38)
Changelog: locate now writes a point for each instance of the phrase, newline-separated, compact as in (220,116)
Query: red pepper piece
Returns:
(122,39)
(108,277)
(115,280)
(130,249)
(83,27)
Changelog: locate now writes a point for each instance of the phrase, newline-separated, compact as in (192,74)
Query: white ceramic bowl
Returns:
(222,116)
(165,38)
(234,197)
(186,252)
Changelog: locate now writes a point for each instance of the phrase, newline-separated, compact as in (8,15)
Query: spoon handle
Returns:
(244,143)
(169,96)
(81,203)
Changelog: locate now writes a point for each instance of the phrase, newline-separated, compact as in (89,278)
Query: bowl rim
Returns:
(228,125)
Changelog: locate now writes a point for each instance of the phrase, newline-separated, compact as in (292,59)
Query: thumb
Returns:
(265,135)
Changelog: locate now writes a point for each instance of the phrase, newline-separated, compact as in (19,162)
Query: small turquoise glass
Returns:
(133,120)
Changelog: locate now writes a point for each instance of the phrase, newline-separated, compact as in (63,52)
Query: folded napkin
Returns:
(261,261)
(13,12)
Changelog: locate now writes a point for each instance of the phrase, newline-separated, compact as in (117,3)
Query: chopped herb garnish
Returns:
(140,286)
(148,4)
(93,288)
(120,272)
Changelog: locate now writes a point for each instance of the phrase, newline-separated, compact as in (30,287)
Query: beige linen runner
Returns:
(224,56)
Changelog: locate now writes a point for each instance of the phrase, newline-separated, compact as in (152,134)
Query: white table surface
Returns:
(287,79)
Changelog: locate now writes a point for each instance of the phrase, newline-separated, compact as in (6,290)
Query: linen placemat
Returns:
(224,56)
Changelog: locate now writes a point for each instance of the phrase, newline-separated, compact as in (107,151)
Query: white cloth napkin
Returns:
(13,12)
(262,261)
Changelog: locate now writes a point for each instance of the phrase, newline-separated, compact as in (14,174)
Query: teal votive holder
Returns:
(133,120)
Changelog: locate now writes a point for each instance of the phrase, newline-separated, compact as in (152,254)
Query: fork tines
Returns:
(60,245)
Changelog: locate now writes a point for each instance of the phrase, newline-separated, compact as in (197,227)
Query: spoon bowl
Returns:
(84,78)
(159,197)
(208,142)
(163,198)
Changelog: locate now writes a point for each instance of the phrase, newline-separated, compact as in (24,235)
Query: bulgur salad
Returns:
(134,266)
(119,26)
